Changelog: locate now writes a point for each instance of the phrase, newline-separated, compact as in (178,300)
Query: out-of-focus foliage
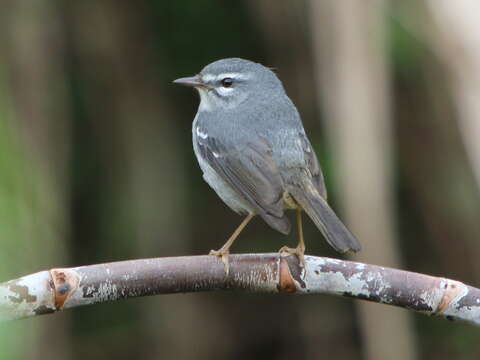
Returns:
(10,216)
(96,164)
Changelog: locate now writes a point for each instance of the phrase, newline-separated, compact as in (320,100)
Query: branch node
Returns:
(286,282)
(64,283)
(451,290)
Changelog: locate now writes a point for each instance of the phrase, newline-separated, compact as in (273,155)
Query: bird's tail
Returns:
(336,234)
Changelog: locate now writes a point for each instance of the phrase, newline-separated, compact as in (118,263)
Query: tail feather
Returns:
(336,234)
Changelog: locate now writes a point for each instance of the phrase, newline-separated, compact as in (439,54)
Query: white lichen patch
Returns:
(318,281)
(312,261)
(334,261)
(106,291)
(465,312)
(378,282)
(23,297)
(349,278)
(263,280)
(432,296)
(360,266)
(103,292)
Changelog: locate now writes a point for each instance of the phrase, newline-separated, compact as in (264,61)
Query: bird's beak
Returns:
(194,81)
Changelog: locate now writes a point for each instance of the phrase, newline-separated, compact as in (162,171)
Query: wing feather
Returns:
(251,171)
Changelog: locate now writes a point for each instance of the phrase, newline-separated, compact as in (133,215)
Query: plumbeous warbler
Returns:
(253,151)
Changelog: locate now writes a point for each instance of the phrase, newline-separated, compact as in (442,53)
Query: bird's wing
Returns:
(251,171)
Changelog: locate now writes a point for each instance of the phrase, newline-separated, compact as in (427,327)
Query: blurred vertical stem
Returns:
(13,208)
(455,37)
(143,157)
(353,81)
(457,40)
(35,117)
(283,26)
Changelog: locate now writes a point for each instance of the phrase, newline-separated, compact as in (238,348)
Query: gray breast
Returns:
(221,187)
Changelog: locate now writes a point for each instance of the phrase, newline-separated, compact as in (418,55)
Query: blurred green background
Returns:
(96,165)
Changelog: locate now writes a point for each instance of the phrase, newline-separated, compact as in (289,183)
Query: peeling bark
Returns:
(57,289)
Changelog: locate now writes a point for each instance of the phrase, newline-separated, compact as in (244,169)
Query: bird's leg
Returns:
(301,243)
(224,251)
(300,249)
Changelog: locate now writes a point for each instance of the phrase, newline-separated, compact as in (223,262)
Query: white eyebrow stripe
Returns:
(238,76)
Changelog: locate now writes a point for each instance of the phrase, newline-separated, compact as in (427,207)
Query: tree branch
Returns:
(57,289)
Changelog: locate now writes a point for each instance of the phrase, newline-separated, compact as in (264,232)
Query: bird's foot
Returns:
(296,251)
(223,254)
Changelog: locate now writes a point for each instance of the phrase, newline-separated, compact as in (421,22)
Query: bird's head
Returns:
(227,83)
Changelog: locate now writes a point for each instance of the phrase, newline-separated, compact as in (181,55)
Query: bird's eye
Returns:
(227,82)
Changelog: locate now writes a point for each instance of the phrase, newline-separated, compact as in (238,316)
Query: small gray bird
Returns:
(253,151)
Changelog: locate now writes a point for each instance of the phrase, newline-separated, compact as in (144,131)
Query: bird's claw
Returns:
(300,253)
(223,254)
